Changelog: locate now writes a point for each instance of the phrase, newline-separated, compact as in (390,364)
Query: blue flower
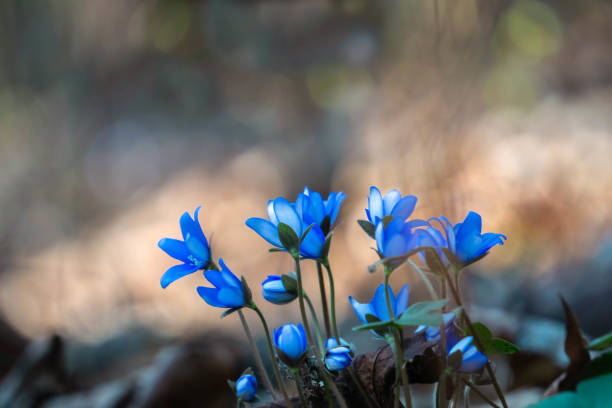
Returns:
(193,251)
(291,341)
(332,343)
(338,358)
(398,237)
(227,291)
(274,291)
(465,239)
(378,305)
(473,360)
(391,204)
(433,333)
(281,211)
(246,387)
(313,209)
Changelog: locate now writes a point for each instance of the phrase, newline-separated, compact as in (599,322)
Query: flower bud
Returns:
(246,387)
(338,358)
(290,340)
(275,292)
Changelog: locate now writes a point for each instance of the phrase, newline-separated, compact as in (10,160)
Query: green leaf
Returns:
(386,220)
(374,323)
(306,231)
(325,224)
(372,268)
(368,228)
(290,284)
(276,250)
(601,343)
(483,333)
(501,346)
(598,366)
(423,313)
(248,296)
(288,238)
(230,311)
(326,245)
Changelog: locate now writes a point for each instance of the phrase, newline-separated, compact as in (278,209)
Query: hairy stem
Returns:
(323,300)
(332,296)
(279,379)
(316,322)
(258,361)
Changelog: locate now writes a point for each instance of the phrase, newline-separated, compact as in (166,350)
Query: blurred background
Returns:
(118,116)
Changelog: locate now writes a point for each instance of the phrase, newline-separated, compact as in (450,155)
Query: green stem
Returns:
(296,378)
(323,300)
(332,297)
(399,352)
(424,278)
(239,403)
(279,379)
(468,321)
(316,322)
(319,359)
(441,395)
(262,371)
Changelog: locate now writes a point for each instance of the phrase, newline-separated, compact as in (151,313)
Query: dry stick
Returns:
(480,394)
(441,390)
(500,394)
(324,300)
(326,378)
(262,371)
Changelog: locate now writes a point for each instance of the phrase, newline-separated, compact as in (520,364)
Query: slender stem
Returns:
(323,300)
(436,393)
(424,278)
(279,379)
(361,388)
(262,371)
(296,378)
(319,359)
(466,397)
(316,322)
(466,317)
(473,387)
(444,353)
(239,403)
(332,296)
(399,353)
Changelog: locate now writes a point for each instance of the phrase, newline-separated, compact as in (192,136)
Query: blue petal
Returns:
(176,272)
(462,345)
(404,208)
(266,229)
(390,200)
(175,248)
(231,297)
(287,215)
(395,246)
(198,227)
(470,247)
(189,227)
(210,296)
(361,309)
(379,303)
(303,337)
(228,276)
(375,205)
(197,248)
(271,215)
(316,208)
(379,233)
(333,214)
(313,243)
(289,341)
(401,303)
(471,225)
(215,278)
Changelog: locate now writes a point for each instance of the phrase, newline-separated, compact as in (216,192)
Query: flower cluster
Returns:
(304,228)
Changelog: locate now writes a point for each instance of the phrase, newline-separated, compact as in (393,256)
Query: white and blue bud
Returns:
(338,358)
(246,386)
(274,291)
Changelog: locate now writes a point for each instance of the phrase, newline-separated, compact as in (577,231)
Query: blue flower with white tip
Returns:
(275,292)
(227,291)
(378,306)
(281,211)
(473,360)
(332,342)
(313,209)
(465,239)
(392,204)
(433,333)
(193,251)
(246,386)
(291,341)
(338,358)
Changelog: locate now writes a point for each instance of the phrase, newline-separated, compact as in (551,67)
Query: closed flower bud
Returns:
(275,292)
(246,387)
(332,343)
(290,340)
(338,358)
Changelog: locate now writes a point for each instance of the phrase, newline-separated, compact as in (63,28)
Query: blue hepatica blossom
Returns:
(313,209)
(465,239)
(227,291)
(332,343)
(399,237)
(193,251)
(378,305)
(392,204)
(291,341)
(433,333)
(246,386)
(274,291)
(281,211)
(338,358)
(473,360)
